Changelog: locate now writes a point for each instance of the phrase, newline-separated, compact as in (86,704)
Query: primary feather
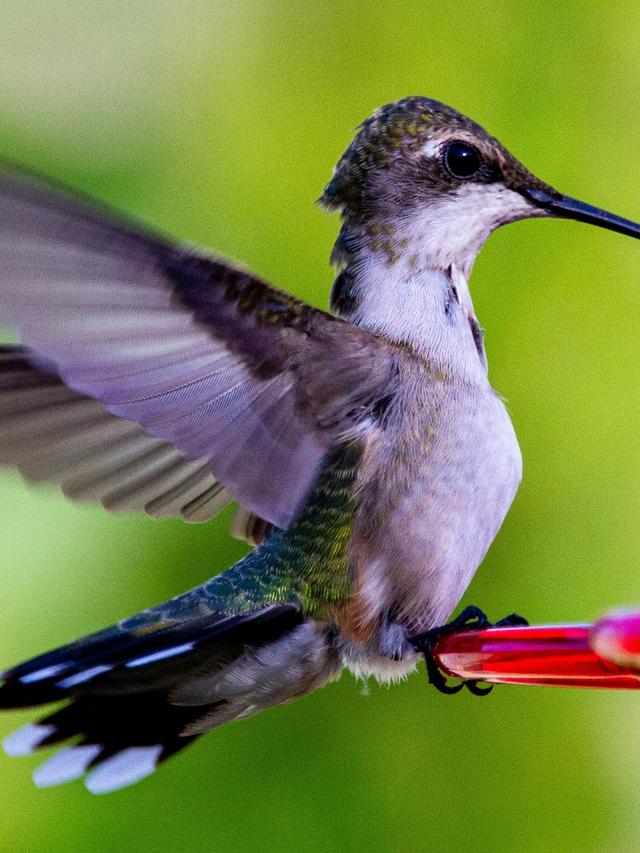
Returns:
(54,434)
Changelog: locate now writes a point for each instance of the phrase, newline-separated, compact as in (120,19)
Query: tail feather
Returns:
(136,697)
(103,659)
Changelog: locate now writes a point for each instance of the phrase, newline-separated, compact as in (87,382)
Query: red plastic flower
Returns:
(605,654)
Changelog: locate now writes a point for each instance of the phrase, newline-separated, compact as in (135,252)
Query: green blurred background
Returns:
(220,123)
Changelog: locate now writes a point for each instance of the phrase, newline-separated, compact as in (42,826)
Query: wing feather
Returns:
(249,385)
(96,456)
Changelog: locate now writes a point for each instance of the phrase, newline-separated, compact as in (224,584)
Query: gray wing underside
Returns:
(225,385)
(53,434)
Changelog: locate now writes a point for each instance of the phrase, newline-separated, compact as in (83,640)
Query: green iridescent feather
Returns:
(306,565)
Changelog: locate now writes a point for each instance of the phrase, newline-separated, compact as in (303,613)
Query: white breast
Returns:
(438,494)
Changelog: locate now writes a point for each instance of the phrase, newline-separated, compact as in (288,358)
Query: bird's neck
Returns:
(391,288)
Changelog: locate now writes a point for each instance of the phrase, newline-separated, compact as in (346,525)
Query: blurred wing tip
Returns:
(249,527)
(207,505)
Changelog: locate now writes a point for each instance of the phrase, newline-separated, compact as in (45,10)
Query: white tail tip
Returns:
(124,769)
(65,766)
(26,739)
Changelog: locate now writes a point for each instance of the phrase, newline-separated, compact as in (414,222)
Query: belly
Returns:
(437,492)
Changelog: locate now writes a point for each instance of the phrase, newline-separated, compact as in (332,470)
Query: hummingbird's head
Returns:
(424,181)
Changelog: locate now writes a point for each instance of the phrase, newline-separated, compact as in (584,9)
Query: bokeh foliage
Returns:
(220,123)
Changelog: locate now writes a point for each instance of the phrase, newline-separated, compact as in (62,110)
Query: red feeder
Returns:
(605,654)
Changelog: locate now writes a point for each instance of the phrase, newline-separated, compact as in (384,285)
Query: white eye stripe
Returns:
(432,148)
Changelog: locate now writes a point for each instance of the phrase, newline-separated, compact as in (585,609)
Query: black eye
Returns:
(462,160)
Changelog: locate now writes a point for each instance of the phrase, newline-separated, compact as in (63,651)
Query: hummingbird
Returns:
(371,460)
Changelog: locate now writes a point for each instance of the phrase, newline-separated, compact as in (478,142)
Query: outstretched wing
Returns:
(242,379)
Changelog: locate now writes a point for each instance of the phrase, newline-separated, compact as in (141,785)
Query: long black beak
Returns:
(571,208)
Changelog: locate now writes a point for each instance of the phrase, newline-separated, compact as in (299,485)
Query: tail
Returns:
(142,690)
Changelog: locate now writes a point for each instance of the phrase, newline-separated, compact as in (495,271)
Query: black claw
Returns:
(510,621)
(438,679)
(471,619)
(475,688)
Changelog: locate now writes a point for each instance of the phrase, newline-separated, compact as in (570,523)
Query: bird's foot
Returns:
(471,619)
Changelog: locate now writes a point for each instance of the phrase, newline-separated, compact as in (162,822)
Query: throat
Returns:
(424,308)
